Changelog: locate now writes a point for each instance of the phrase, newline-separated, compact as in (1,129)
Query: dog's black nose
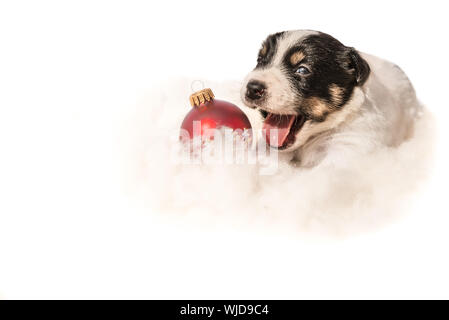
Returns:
(255,90)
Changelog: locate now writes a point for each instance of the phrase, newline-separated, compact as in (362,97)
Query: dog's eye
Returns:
(302,70)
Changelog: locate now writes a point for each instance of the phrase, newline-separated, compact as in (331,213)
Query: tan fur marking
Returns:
(296,57)
(336,94)
(264,50)
(318,108)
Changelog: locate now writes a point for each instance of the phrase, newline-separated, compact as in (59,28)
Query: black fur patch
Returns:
(263,113)
(331,65)
(270,44)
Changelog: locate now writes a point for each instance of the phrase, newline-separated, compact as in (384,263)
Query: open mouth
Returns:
(281,129)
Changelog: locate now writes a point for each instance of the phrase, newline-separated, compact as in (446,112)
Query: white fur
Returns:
(381,113)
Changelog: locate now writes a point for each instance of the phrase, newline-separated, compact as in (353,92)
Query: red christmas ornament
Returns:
(209,113)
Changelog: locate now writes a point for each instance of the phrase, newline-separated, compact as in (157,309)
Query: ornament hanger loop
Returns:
(198,84)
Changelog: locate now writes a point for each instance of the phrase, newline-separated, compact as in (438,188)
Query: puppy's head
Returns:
(302,79)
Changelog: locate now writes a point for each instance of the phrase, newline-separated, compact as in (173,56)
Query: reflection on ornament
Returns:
(212,114)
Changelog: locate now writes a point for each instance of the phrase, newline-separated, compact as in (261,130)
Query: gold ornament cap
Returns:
(201,97)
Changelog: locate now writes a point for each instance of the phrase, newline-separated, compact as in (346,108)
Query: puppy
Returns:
(326,100)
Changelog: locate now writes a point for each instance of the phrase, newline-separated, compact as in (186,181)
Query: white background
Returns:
(69,70)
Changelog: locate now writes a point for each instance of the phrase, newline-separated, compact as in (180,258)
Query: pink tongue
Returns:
(277,128)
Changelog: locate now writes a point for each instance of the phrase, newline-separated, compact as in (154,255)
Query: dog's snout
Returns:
(255,90)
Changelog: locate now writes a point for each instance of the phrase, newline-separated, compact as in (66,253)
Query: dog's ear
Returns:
(358,66)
